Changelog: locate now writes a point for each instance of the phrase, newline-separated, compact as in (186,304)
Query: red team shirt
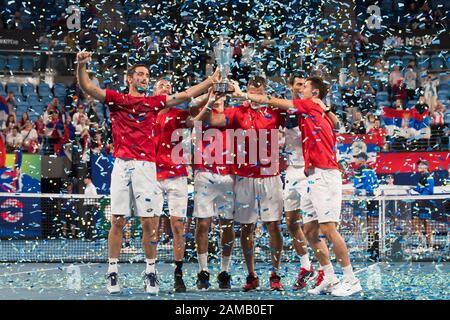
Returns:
(167,122)
(244,117)
(318,137)
(222,168)
(133,120)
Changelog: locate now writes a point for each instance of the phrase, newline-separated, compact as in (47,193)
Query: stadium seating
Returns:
(2,63)
(410,104)
(395,60)
(59,89)
(382,96)
(447,117)
(423,62)
(13,63)
(443,94)
(28,89)
(44,90)
(28,64)
(437,63)
(14,88)
(33,99)
(21,107)
(406,59)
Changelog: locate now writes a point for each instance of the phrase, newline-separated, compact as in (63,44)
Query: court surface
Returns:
(51,281)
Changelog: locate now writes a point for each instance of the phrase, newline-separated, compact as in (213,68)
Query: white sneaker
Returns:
(325,286)
(151,283)
(113,285)
(347,288)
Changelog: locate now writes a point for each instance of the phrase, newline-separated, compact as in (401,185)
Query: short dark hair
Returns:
(133,68)
(317,83)
(256,81)
(296,74)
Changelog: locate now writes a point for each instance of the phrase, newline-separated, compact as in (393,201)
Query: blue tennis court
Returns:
(49,281)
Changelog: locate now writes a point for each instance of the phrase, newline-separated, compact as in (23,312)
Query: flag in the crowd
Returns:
(4,105)
(393,117)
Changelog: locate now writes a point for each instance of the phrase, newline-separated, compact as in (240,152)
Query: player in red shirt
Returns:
(134,178)
(258,186)
(323,201)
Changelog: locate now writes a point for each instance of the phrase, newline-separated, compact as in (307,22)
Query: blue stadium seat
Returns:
(411,103)
(443,86)
(447,118)
(437,63)
(13,87)
(33,116)
(447,60)
(33,99)
(13,63)
(443,94)
(21,107)
(28,64)
(395,60)
(382,96)
(37,108)
(59,89)
(423,62)
(46,100)
(407,58)
(44,90)
(2,63)
(28,89)
(384,103)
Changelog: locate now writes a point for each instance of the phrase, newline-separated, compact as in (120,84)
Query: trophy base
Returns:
(223,87)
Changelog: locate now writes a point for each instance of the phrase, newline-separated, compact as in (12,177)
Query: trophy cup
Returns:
(222,55)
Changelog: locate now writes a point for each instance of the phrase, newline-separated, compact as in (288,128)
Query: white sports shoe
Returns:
(347,288)
(324,286)
(151,283)
(113,285)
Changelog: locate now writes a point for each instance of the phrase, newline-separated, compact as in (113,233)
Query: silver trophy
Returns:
(223,56)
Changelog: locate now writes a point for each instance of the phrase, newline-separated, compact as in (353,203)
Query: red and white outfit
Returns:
(296,182)
(322,201)
(171,173)
(133,179)
(213,182)
(258,187)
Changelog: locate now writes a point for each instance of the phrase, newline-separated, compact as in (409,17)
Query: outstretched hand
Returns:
(237,93)
(84,57)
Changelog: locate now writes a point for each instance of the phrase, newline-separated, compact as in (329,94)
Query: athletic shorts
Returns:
(323,199)
(258,198)
(213,195)
(176,192)
(295,186)
(134,184)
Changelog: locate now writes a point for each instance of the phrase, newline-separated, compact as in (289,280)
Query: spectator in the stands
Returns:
(438,115)
(377,129)
(53,106)
(69,129)
(405,131)
(92,113)
(368,98)
(9,124)
(77,116)
(82,126)
(358,126)
(420,118)
(30,137)
(350,102)
(399,90)
(394,76)
(430,84)
(422,209)
(54,131)
(23,121)
(398,104)
(411,82)
(40,128)
(370,121)
(11,101)
(14,140)
(93,78)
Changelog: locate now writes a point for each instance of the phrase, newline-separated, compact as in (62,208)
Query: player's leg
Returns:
(203,212)
(246,214)
(293,224)
(224,205)
(120,208)
(177,194)
(147,197)
(326,196)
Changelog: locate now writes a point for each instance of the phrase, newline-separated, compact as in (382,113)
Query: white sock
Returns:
(305,262)
(348,273)
(225,263)
(328,270)
(203,261)
(112,265)
(150,268)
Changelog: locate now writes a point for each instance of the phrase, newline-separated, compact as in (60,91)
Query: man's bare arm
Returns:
(83,79)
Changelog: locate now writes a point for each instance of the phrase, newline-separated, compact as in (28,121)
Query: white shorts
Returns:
(176,191)
(213,195)
(133,183)
(296,185)
(323,199)
(258,198)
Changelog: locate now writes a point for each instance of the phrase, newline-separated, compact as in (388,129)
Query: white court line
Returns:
(45,270)
(361,270)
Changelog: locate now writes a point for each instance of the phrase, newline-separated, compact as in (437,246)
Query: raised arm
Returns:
(205,114)
(192,92)
(262,99)
(83,79)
